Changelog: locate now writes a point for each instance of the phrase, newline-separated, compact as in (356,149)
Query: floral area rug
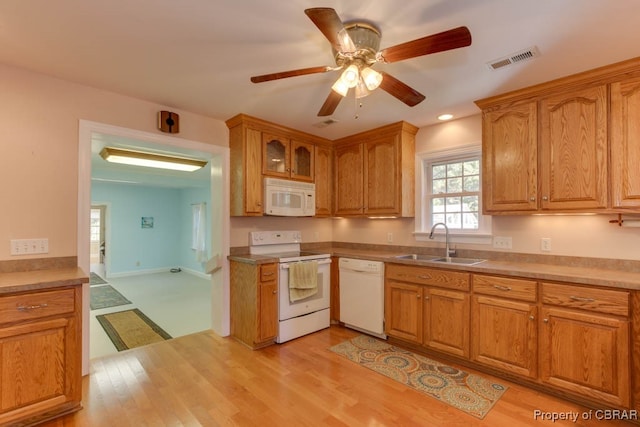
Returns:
(467,392)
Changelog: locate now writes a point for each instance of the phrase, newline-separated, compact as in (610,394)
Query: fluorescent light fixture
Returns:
(151,160)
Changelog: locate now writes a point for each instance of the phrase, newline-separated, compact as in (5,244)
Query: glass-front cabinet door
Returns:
(284,158)
(302,161)
(275,156)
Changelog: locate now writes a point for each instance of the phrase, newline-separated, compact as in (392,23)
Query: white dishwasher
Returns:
(362,295)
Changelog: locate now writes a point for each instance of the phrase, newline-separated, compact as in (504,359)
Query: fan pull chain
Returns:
(355,106)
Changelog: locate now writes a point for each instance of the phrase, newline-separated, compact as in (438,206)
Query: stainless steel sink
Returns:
(456,260)
(430,258)
(416,257)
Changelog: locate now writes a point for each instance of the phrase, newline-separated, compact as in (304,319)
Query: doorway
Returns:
(218,156)
(97,240)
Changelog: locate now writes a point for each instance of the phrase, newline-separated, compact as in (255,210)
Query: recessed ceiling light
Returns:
(445,117)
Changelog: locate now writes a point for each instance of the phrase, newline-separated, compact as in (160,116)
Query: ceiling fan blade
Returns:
(330,104)
(446,40)
(329,23)
(404,93)
(292,73)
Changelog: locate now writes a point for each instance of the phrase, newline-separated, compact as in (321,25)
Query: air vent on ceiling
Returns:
(325,123)
(523,55)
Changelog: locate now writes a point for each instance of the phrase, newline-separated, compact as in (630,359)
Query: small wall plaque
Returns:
(168,122)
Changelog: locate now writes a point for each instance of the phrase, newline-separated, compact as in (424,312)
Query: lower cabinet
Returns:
(569,338)
(403,311)
(585,342)
(504,327)
(426,306)
(446,321)
(40,343)
(254,303)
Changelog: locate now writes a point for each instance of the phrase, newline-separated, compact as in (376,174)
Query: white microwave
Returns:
(289,198)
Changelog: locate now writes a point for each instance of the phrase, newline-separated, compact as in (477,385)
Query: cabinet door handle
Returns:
(581,299)
(275,292)
(532,317)
(422,276)
(502,288)
(427,297)
(419,296)
(545,198)
(270,273)
(533,199)
(31,307)
(545,320)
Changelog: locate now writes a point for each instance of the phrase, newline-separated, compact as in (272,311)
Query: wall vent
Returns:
(325,123)
(523,55)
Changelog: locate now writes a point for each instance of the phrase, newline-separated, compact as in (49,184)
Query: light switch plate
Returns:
(29,246)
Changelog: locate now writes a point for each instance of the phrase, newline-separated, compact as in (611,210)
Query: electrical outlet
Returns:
(29,246)
(389,237)
(545,244)
(502,242)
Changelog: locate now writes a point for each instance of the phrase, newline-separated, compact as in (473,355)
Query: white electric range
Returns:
(307,315)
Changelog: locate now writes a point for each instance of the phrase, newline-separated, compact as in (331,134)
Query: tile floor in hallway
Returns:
(180,303)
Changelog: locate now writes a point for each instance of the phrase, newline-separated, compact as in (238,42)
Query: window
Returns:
(455,193)
(452,194)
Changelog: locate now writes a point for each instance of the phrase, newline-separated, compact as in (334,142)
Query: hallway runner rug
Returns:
(467,392)
(94,279)
(130,329)
(105,296)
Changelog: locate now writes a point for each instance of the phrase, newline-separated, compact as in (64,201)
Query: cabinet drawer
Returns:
(586,298)
(268,272)
(16,308)
(520,289)
(428,276)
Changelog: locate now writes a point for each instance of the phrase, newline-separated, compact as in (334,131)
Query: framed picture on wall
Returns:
(146,222)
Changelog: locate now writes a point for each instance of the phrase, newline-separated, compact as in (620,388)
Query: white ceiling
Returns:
(198,55)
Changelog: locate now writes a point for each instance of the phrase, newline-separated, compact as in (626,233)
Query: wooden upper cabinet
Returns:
(375,172)
(382,176)
(573,136)
(258,149)
(323,165)
(246,178)
(625,144)
(349,197)
(285,158)
(510,158)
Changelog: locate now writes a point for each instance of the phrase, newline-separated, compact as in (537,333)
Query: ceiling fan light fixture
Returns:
(371,78)
(361,89)
(152,160)
(340,87)
(351,76)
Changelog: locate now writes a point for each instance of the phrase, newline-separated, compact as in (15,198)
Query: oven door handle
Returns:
(320,262)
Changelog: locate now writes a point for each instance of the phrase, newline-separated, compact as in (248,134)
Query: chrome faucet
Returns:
(448,252)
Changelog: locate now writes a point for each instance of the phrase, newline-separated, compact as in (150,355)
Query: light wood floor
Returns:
(203,379)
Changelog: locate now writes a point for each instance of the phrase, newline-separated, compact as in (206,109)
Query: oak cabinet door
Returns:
(510,159)
(573,135)
(586,354)
(504,335)
(349,196)
(446,321)
(625,144)
(323,176)
(403,311)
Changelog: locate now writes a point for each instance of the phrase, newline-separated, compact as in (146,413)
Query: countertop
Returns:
(41,279)
(576,274)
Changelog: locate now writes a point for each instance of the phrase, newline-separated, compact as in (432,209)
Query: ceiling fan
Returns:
(356,48)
